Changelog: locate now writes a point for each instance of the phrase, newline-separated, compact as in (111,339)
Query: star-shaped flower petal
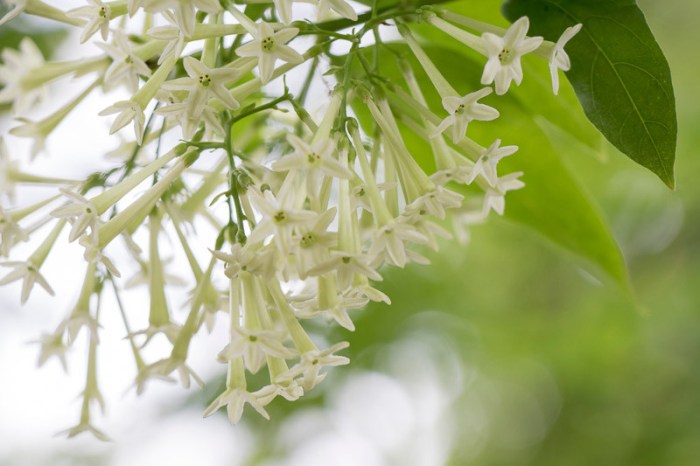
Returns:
(312,362)
(486,164)
(97,16)
(203,84)
(269,46)
(253,346)
(128,111)
(312,158)
(235,399)
(503,65)
(464,109)
(29,274)
(495,197)
(126,66)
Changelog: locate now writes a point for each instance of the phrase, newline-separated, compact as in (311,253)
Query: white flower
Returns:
(18,65)
(98,16)
(431,231)
(128,111)
(10,233)
(33,130)
(279,215)
(290,391)
(341,7)
(312,242)
(245,258)
(434,203)
(163,368)
(235,399)
(495,196)
(284,10)
(184,11)
(172,33)
(85,426)
(52,344)
(464,109)
(458,174)
(253,346)
(204,83)
(312,362)
(268,46)
(312,158)
(487,162)
(189,123)
(503,65)
(126,66)
(336,309)
(29,274)
(558,58)
(81,213)
(346,265)
(94,254)
(388,242)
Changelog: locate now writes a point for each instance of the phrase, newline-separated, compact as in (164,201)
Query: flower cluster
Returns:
(306,212)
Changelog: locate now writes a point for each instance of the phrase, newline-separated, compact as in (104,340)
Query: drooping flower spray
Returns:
(306,208)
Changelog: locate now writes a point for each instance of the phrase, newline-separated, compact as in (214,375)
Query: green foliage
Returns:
(618,71)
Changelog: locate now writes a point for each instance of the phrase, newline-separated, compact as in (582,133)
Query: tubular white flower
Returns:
(126,65)
(312,241)
(17,66)
(485,166)
(312,363)
(280,215)
(204,83)
(311,158)
(184,11)
(29,273)
(235,400)
(495,196)
(464,109)
(388,243)
(133,109)
(269,46)
(98,16)
(503,65)
(10,232)
(556,56)
(52,345)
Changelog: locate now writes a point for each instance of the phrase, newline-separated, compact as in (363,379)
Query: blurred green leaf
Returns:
(46,39)
(552,203)
(619,73)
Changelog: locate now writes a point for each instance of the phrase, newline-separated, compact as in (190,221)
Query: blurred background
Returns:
(502,352)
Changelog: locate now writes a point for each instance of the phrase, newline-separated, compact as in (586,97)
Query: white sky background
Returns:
(373,419)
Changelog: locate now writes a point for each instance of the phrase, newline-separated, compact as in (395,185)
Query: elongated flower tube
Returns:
(141,208)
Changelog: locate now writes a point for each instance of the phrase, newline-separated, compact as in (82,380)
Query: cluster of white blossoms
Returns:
(314,209)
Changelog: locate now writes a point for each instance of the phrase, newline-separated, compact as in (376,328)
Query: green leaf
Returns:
(618,71)
(552,203)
